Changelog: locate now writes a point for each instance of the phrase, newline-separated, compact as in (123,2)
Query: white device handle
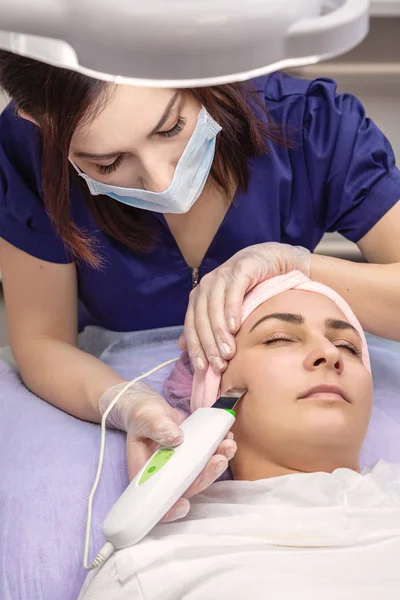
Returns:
(332,33)
(166,477)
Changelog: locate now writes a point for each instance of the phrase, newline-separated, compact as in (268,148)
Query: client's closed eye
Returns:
(277,338)
(346,345)
(349,346)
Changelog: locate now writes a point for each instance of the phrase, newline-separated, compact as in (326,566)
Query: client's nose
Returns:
(327,356)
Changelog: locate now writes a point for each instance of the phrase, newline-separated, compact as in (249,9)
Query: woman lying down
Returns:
(299,519)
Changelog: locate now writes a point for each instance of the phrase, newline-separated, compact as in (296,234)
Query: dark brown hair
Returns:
(59,100)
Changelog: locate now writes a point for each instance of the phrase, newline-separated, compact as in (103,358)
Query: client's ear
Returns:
(24,115)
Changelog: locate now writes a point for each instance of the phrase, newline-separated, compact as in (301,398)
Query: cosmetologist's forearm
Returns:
(373,291)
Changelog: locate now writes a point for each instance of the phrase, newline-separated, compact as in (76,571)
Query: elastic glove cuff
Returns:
(118,417)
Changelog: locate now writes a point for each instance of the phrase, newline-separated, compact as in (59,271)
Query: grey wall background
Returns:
(371,72)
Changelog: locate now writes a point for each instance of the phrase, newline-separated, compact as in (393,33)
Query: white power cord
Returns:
(108,548)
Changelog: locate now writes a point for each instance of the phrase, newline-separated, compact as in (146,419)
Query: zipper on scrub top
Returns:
(195,277)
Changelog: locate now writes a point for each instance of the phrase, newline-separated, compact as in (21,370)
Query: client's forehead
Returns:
(315,308)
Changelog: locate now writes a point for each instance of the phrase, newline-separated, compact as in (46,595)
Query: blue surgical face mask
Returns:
(190,175)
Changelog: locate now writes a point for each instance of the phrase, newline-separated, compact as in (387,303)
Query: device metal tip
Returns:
(234,393)
(230,398)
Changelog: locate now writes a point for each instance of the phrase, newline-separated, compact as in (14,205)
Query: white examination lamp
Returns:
(181,43)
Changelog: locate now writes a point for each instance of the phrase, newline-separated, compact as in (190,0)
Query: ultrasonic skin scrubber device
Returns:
(169,473)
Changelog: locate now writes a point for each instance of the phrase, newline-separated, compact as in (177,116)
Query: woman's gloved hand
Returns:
(149,422)
(214,311)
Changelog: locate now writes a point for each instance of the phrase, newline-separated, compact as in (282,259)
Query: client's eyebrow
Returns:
(340,325)
(286,317)
(336,324)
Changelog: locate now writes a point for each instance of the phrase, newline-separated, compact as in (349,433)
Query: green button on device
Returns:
(230,411)
(158,461)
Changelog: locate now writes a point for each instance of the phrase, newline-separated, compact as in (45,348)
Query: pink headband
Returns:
(203,389)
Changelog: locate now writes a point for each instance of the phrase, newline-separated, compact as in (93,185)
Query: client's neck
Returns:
(250,466)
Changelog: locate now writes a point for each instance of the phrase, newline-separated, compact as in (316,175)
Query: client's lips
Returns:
(324,392)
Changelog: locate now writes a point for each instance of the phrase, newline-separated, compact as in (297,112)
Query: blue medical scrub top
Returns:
(338,175)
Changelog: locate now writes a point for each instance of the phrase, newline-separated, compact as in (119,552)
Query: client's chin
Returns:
(320,417)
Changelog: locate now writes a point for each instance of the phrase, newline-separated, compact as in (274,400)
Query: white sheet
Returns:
(298,537)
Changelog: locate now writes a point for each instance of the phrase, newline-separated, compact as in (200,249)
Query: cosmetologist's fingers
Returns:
(217,318)
(214,469)
(206,335)
(194,348)
(178,511)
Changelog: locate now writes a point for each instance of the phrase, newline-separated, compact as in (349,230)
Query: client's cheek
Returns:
(249,414)
(244,416)
(236,375)
(360,388)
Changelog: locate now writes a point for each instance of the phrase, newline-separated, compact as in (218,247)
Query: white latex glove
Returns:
(149,422)
(214,311)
